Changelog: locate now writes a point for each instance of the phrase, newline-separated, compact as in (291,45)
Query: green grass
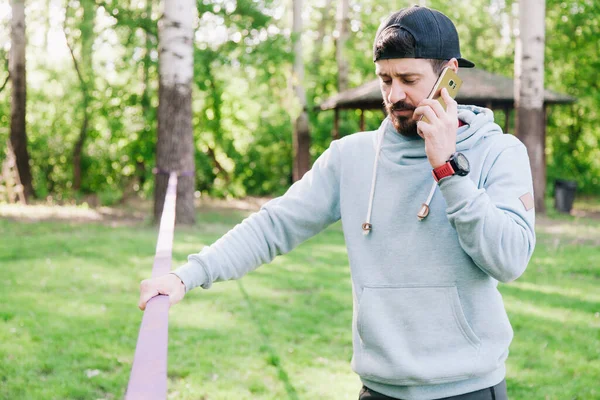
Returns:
(69,319)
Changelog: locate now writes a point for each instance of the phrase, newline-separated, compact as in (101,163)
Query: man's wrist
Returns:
(457,164)
(178,278)
(438,164)
(439,161)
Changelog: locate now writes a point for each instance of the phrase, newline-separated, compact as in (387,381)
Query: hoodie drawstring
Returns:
(423,211)
(366,227)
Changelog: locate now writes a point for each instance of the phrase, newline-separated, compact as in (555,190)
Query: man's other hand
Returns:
(169,284)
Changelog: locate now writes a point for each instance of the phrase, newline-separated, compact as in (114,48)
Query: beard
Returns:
(406,126)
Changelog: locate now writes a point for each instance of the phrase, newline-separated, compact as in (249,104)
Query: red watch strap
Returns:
(442,171)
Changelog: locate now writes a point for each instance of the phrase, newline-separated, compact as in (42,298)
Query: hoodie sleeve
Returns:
(308,207)
(495,224)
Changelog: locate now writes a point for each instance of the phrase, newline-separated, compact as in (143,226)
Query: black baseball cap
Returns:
(435,36)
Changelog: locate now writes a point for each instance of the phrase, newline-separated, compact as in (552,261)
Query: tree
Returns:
(573,138)
(529,91)
(301,135)
(84,69)
(18,133)
(323,25)
(340,44)
(147,111)
(175,145)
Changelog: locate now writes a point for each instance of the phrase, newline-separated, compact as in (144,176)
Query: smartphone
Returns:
(449,80)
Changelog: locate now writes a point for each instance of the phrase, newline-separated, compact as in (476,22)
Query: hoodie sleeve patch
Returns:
(527,200)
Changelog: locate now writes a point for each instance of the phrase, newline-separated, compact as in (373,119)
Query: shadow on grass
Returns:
(274,359)
(537,297)
(552,359)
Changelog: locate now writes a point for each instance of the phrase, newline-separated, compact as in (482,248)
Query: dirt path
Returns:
(127,214)
(584,227)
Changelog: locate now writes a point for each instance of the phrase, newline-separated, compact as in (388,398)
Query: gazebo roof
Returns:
(479,87)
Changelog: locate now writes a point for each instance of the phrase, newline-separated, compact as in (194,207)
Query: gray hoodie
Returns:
(428,319)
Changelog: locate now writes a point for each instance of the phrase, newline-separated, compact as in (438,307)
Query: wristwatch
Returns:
(457,164)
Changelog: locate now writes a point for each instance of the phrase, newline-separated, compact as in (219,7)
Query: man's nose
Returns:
(396,93)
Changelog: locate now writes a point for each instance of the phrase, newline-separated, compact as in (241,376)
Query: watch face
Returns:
(462,163)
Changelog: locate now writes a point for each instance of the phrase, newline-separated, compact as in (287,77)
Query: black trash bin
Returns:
(564,195)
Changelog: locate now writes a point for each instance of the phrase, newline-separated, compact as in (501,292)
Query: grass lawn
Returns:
(69,319)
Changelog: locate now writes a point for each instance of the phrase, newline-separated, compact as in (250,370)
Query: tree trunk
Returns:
(316,59)
(78,148)
(341,33)
(146,131)
(17,70)
(175,146)
(47,22)
(301,134)
(86,76)
(84,70)
(529,91)
(340,44)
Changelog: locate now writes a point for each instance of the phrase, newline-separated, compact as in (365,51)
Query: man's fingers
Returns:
(174,298)
(435,106)
(147,291)
(426,111)
(451,105)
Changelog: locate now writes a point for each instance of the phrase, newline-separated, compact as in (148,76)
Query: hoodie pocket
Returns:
(414,335)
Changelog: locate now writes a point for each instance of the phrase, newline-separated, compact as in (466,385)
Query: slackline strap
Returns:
(148,379)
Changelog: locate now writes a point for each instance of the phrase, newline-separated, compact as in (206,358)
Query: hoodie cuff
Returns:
(457,190)
(192,275)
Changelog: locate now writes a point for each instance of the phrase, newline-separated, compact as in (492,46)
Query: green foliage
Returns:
(573,67)
(243,136)
(242,99)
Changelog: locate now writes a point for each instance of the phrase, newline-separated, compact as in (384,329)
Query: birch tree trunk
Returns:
(301,135)
(175,145)
(18,78)
(529,91)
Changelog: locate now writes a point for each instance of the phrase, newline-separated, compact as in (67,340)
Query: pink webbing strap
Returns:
(148,379)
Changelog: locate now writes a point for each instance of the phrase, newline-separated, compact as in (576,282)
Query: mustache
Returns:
(401,106)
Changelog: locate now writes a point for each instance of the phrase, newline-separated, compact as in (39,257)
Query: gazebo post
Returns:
(506,118)
(545,128)
(336,124)
(362,120)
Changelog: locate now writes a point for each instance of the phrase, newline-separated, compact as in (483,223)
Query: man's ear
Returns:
(453,64)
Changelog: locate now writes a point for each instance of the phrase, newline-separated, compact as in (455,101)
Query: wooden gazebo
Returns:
(479,87)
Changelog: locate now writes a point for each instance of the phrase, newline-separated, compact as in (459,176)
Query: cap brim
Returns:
(464,63)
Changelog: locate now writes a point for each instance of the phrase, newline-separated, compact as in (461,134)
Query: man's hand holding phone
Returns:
(439,131)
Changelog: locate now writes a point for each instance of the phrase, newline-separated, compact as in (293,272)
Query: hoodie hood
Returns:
(404,150)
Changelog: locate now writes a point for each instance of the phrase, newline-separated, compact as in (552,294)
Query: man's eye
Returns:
(410,82)
(386,81)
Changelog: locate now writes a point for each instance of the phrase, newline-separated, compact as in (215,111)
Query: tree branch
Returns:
(213,157)
(5,82)
(78,147)
(75,62)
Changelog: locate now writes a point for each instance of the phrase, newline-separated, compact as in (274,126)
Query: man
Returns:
(448,205)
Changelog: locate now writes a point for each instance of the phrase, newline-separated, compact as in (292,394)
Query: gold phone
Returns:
(449,80)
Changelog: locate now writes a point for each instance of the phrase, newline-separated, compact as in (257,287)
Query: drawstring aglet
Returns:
(424,210)
(367,228)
